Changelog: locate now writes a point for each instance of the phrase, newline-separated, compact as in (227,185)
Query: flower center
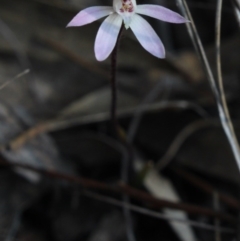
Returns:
(127,6)
(126,9)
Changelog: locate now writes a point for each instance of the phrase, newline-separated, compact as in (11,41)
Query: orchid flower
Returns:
(127,12)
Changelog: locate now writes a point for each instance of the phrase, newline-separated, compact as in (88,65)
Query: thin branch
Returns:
(206,187)
(215,197)
(218,63)
(236,6)
(222,109)
(154,214)
(61,123)
(180,139)
(139,111)
(8,34)
(14,78)
(125,189)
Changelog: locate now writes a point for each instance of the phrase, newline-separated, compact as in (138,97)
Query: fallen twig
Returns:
(125,189)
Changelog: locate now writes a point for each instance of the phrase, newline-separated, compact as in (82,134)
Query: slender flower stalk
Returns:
(127,12)
(113,82)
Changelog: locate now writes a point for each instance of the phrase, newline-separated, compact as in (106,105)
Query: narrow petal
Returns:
(161,13)
(107,36)
(147,36)
(90,15)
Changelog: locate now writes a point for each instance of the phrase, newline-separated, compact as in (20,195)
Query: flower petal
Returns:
(90,15)
(107,36)
(161,13)
(147,36)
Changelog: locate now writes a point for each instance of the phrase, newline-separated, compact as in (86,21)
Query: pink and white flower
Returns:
(126,11)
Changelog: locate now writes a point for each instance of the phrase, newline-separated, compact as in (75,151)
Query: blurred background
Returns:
(175,179)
